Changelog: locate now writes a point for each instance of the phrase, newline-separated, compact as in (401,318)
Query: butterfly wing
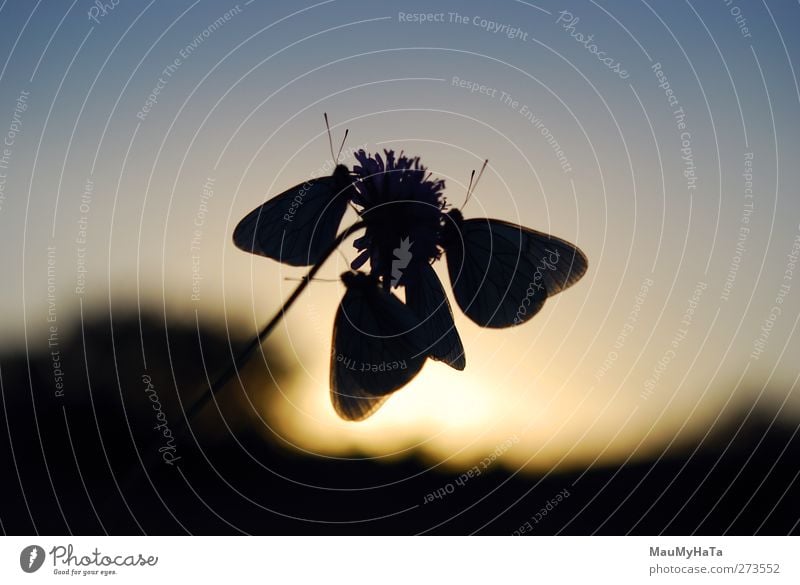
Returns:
(297,226)
(350,400)
(427,299)
(502,273)
(566,264)
(377,349)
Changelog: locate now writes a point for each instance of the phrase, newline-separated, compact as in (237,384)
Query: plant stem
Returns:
(256,342)
(152,453)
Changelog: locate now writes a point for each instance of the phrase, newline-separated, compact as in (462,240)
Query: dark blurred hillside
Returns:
(67,461)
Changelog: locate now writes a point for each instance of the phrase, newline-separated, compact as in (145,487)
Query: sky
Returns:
(660,137)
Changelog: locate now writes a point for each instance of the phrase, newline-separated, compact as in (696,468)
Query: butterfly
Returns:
(298,226)
(378,347)
(502,273)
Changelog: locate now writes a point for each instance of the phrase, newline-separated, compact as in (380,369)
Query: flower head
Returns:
(402,209)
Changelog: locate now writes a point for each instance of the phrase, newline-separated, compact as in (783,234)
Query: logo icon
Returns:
(402,256)
(31,558)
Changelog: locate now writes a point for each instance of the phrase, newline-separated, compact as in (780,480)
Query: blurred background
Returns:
(660,392)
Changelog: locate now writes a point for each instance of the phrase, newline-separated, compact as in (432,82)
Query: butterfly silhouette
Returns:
(501,273)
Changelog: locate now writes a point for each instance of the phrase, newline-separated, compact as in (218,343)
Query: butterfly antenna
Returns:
(346,132)
(474,185)
(330,140)
(469,188)
(305,278)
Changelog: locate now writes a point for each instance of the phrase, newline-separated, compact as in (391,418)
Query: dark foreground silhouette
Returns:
(67,461)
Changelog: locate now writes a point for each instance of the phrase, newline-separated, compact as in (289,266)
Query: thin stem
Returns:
(256,342)
(240,360)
